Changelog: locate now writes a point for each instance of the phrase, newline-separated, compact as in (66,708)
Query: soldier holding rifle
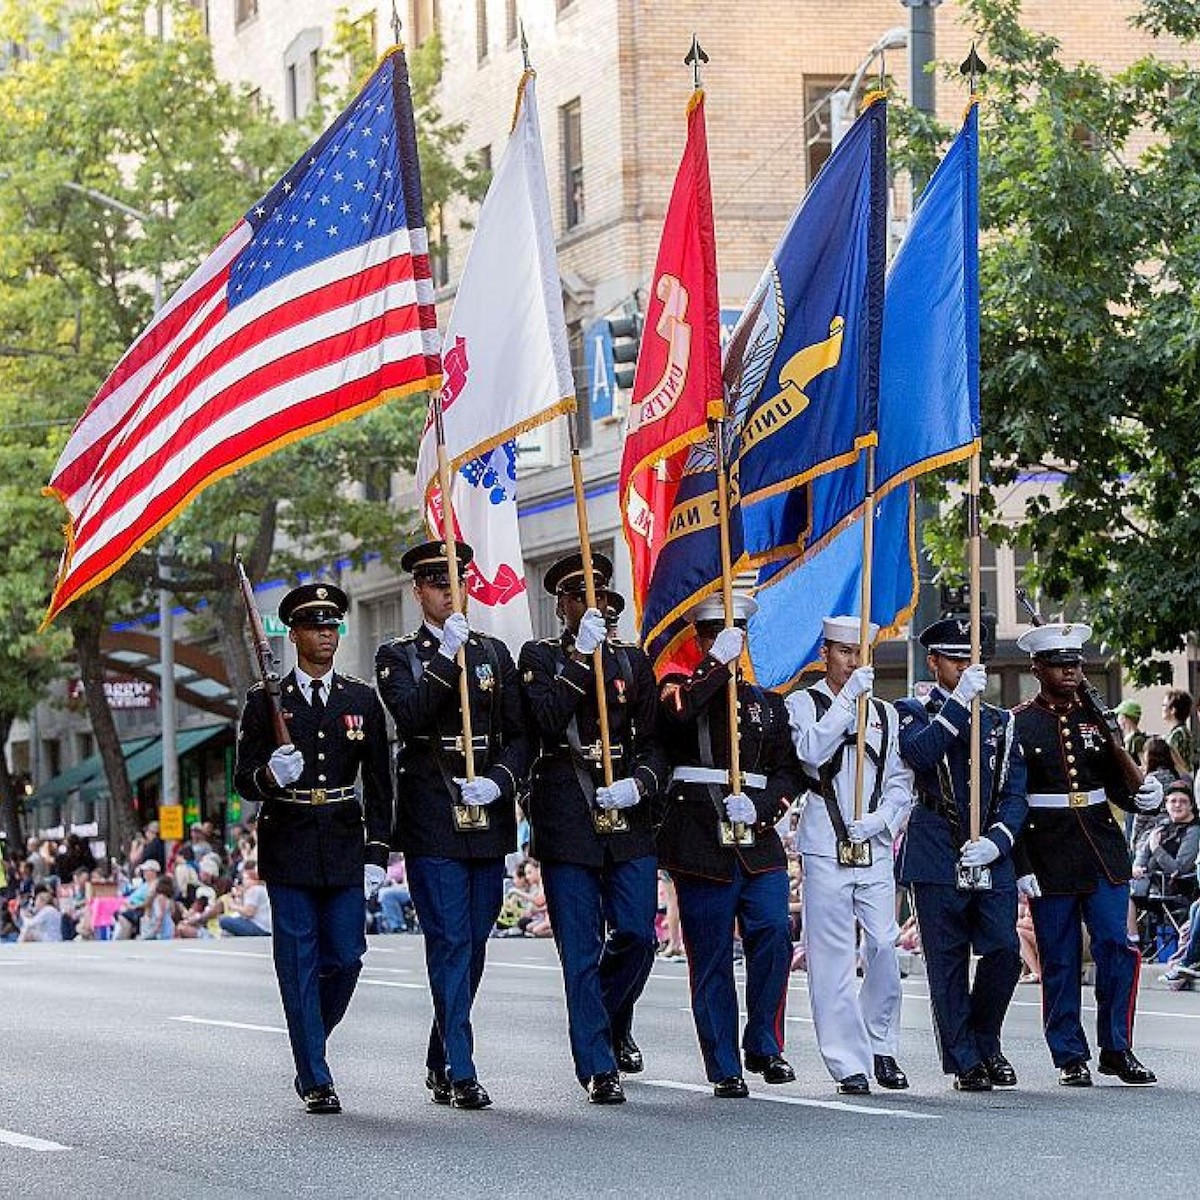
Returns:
(318,847)
(454,830)
(964,889)
(593,838)
(1072,858)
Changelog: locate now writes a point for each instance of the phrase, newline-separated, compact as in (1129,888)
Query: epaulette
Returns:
(1021,707)
(256,687)
(625,645)
(354,679)
(550,642)
(405,637)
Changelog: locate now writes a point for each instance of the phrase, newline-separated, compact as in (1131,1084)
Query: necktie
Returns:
(318,701)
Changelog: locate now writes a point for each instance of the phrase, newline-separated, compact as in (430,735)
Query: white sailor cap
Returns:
(847,630)
(712,609)
(1057,643)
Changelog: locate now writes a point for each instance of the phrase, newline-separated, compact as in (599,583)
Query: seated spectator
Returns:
(1158,762)
(199,841)
(45,924)
(73,854)
(671,944)
(536,921)
(250,914)
(76,920)
(1170,849)
(1030,962)
(158,921)
(395,900)
(185,874)
(129,919)
(9,932)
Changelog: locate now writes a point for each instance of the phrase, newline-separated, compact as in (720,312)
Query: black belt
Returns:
(318,795)
(451,744)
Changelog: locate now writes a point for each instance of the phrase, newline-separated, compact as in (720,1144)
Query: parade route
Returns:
(130,1067)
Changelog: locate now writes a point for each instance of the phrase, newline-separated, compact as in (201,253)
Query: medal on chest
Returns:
(354,726)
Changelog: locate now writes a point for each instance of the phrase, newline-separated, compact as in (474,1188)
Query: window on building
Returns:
(424,20)
(818,138)
(314,74)
(52,756)
(244,10)
(378,621)
(481,30)
(302,68)
(255,100)
(583,413)
(439,246)
(570,121)
(201,7)
(366,29)
(85,746)
(291,98)
(512,29)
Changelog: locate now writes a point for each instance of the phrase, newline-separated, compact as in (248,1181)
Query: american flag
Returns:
(316,306)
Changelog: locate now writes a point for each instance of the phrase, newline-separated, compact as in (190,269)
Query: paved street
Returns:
(146,1068)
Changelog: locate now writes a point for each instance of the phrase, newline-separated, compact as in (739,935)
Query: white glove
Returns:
(286,764)
(866,827)
(971,683)
(980,853)
(1028,886)
(859,684)
(1149,796)
(727,647)
(454,634)
(479,791)
(592,631)
(623,794)
(373,879)
(741,808)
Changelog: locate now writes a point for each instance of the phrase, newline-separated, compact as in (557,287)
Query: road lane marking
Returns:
(1138,1012)
(416,987)
(24,1142)
(230,953)
(187,1020)
(798,1101)
(391,970)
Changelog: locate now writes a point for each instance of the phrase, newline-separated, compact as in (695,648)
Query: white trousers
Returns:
(853,1024)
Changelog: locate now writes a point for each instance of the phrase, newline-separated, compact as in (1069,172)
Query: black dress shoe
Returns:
(733,1088)
(606,1089)
(468,1093)
(888,1074)
(629,1057)
(855,1085)
(976,1079)
(1000,1071)
(774,1068)
(1075,1074)
(438,1083)
(1124,1064)
(322,1100)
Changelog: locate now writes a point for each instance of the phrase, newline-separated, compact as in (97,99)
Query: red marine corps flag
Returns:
(678,387)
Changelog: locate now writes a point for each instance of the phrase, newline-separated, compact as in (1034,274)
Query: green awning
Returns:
(83,773)
(148,760)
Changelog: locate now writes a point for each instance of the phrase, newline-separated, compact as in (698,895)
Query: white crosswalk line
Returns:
(865,1110)
(24,1142)
(189,1020)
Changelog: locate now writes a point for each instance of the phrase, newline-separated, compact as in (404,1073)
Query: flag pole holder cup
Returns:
(853,854)
(609,820)
(972,879)
(739,834)
(471,818)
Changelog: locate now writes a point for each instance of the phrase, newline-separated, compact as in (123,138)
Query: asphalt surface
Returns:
(140,1068)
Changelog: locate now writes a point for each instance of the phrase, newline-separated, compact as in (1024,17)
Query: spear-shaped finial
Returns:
(524,45)
(396,24)
(695,56)
(973,66)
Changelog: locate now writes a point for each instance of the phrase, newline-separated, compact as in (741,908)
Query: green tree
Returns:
(1090,324)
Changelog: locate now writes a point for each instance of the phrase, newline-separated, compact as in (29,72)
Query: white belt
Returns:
(715,775)
(1067,799)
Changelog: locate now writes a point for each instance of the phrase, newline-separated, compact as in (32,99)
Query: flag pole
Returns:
(864,629)
(589,586)
(973,548)
(456,597)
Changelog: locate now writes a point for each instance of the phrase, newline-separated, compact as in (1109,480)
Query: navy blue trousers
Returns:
(1056,922)
(318,942)
(967,1016)
(603,924)
(457,902)
(707,912)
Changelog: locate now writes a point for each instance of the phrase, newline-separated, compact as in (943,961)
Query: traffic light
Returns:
(956,602)
(626,333)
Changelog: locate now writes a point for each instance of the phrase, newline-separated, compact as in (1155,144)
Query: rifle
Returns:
(268,669)
(1131,774)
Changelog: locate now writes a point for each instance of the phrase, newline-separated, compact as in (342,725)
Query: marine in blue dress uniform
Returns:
(594,842)
(1073,861)
(720,882)
(935,741)
(454,858)
(318,847)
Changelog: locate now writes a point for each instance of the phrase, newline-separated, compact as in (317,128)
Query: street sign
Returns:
(601,370)
(170,822)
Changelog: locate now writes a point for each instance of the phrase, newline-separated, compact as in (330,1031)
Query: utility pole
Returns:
(922,93)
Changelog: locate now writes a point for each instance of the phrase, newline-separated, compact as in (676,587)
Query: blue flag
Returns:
(804,385)
(928,416)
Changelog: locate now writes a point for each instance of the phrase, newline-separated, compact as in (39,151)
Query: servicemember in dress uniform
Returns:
(1073,861)
(613,609)
(718,881)
(454,832)
(935,740)
(595,842)
(315,853)
(858,1029)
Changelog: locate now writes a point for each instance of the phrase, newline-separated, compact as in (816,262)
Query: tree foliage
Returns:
(1089,210)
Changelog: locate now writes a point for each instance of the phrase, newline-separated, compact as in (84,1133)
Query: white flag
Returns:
(506,369)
